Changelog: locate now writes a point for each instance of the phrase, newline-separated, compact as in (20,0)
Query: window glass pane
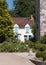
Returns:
(16,36)
(16,29)
(29,37)
(27,29)
(25,37)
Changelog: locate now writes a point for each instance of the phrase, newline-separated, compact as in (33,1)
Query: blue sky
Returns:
(10,4)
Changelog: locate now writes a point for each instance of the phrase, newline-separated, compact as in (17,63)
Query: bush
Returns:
(43,39)
(13,47)
(7,47)
(44,55)
(22,47)
(40,47)
(39,54)
(29,43)
(39,59)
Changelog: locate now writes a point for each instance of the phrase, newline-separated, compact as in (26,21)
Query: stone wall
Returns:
(42,17)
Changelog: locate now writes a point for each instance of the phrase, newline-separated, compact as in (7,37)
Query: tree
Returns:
(34,29)
(24,8)
(6,24)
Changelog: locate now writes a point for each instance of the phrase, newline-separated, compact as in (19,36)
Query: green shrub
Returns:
(13,47)
(7,47)
(40,47)
(22,47)
(33,50)
(39,59)
(44,55)
(39,54)
(29,43)
(43,39)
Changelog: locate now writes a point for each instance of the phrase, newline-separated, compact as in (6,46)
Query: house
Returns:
(23,28)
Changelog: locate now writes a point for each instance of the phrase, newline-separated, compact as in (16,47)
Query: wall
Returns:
(22,32)
(42,17)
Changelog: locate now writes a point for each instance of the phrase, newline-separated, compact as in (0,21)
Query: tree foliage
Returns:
(5,22)
(23,8)
(43,39)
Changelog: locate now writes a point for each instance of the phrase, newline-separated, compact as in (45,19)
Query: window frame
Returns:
(27,29)
(16,29)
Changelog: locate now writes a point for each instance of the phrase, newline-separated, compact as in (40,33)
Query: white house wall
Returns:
(22,32)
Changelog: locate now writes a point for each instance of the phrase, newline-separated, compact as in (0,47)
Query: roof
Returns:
(22,21)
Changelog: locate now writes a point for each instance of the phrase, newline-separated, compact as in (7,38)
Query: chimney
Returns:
(32,18)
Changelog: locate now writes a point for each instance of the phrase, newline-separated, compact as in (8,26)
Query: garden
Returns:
(8,43)
(13,45)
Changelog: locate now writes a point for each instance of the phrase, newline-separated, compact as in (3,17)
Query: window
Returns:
(27,29)
(16,36)
(29,37)
(16,29)
(25,37)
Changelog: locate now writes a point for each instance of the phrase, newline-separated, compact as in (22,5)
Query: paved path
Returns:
(13,59)
(28,55)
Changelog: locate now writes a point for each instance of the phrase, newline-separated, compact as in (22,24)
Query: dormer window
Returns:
(27,28)
(16,27)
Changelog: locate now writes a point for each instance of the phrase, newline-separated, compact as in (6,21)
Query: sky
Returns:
(10,4)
